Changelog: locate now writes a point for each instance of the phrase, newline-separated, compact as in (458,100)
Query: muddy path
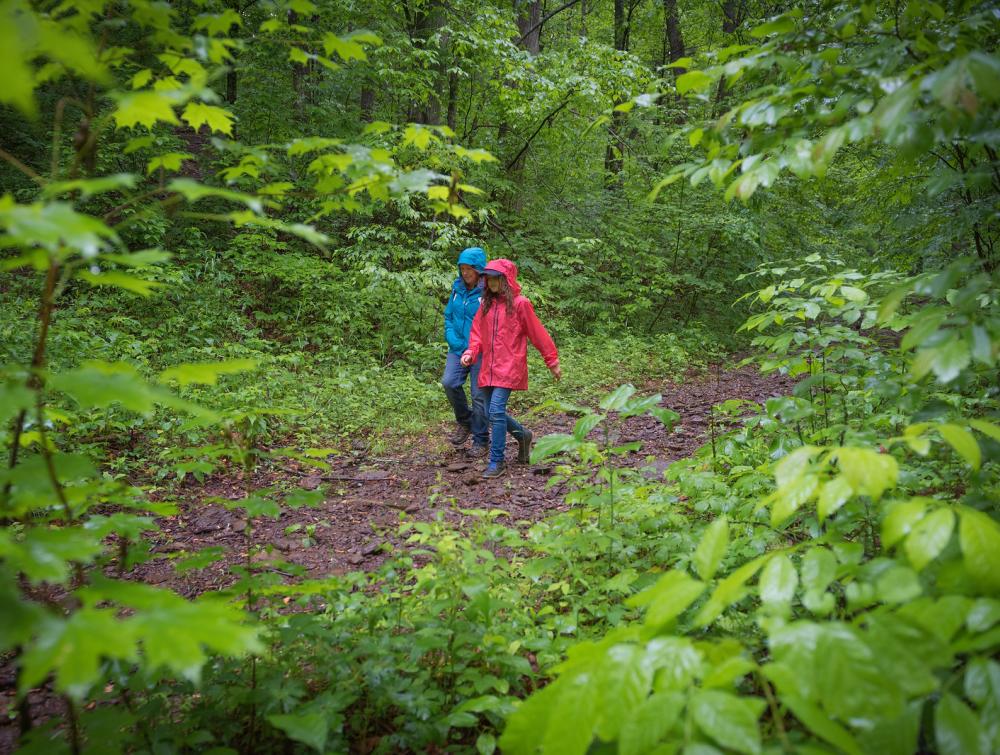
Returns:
(355,527)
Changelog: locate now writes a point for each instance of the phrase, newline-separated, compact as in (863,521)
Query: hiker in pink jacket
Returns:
(504,324)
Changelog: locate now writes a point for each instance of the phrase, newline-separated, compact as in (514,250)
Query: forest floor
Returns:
(356,525)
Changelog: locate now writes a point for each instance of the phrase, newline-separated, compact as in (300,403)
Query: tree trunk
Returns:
(452,101)
(298,76)
(528,16)
(614,159)
(673,42)
(367,103)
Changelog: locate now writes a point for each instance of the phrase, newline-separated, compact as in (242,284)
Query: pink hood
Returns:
(509,270)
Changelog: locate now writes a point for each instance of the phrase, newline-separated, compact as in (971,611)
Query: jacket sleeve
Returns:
(538,335)
(475,336)
(454,339)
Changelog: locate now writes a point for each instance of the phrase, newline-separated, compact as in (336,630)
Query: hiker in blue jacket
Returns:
(463,303)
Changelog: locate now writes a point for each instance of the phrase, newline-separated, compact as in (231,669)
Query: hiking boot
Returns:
(460,435)
(494,470)
(478,451)
(524,447)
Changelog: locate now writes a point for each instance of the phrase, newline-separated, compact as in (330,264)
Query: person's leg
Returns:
(453,381)
(497,410)
(480,422)
(523,436)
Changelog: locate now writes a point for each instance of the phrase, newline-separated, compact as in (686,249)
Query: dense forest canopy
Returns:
(228,231)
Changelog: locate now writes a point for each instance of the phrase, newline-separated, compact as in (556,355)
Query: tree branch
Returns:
(546,120)
(541,22)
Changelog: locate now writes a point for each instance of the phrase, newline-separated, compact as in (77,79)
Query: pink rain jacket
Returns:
(502,337)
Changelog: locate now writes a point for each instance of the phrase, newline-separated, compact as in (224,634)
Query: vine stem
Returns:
(775,713)
(37,361)
(73,716)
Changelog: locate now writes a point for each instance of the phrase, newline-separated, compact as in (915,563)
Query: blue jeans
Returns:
(453,382)
(501,423)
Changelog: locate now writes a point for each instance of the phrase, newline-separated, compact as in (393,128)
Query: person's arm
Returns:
(453,338)
(540,337)
(475,340)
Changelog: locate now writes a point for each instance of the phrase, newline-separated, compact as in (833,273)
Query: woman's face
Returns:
(493,281)
(469,275)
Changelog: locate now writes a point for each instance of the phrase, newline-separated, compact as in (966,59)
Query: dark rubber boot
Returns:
(524,447)
(460,435)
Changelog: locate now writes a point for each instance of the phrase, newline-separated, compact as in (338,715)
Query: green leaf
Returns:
(662,184)
(347,48)
(956,728)
(834,494)
(789,498)
(143,258)
(668,598)
(198,114)
(963,442)
(853,294)
(617,398)
(571,722)
(218,24)
(89,187)
(728,720)
(989,429)
(17,28)
(780,25)
(979,537)
(46,554)
(486,743)
(74,648)
(819,567)
(585,424)
(729,590)
(624,680)
(418,136)
(712,547)
(694,81)
(193,191)
(901,519)
(13,400)
(929,537)
(869,472)
(777,584)
(309,727)
(99,384)
(638,406)
(899,584)
(206,373)
(171,161)
(794,465)
(54,226)
(552,444)
(146,108)
(115,279)
(255,506)
(668,417)
(649,722)
(820,724)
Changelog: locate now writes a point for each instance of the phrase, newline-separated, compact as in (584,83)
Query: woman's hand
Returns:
(466,360)
(556,372)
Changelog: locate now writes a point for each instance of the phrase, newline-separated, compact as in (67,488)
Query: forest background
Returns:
(228,232)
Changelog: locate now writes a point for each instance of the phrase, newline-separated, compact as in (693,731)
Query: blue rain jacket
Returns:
(463,303)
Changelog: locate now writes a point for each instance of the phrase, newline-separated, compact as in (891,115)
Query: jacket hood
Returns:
(473,256)
(509,271)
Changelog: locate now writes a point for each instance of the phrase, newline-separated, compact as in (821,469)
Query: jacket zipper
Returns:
(493,343)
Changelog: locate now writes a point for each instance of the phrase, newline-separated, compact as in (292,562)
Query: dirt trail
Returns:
(355,526)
